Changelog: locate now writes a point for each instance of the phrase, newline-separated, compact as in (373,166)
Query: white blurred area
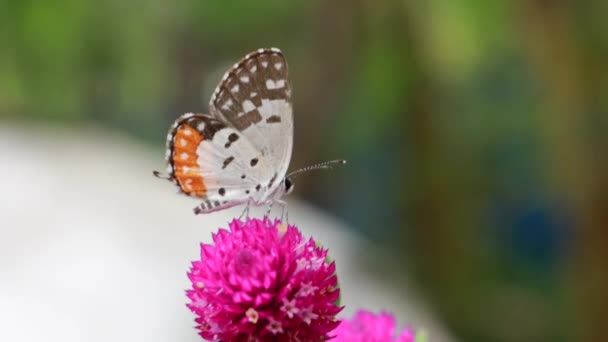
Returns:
(94,248)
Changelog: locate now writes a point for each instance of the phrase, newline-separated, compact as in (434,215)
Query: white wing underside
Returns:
(273,141)
(254,101)
(238,178)
(254,98)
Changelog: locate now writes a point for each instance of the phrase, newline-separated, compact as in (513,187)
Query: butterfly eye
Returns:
(288,185)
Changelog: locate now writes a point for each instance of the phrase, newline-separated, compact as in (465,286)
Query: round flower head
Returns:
(262,281)
(369,327)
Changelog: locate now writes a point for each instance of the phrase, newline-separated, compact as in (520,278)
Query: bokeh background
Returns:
(475,131)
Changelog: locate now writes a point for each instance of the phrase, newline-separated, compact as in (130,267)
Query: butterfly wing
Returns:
(209,160)
(254,98)
(241,151)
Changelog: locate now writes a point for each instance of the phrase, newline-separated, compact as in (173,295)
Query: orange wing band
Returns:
(187,170)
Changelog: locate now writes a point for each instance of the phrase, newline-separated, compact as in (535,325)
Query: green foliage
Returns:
(421,336)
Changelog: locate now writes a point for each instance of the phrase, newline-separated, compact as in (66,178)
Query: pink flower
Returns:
(368,327)
(262,281)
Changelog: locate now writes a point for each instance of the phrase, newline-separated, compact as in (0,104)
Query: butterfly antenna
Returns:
(328,165)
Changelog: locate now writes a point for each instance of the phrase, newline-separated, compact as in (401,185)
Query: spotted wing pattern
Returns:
(240,152)
(254,97)
(209,160)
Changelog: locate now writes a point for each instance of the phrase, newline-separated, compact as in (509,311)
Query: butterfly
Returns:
(239,153)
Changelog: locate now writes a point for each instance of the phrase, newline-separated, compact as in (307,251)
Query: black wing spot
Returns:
(273,119)
(243,176)
(258,187)
(272,180)
(254,162)
(231,138)
(222,191)
(227,161)
(247,192)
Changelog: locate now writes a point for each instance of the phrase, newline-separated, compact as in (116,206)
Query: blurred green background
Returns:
(476,131)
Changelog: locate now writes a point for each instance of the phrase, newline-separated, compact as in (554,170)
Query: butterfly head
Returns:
(288,185)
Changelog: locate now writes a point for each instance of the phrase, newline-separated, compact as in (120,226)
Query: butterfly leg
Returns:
(269,209)
(284,212)
(246,211)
